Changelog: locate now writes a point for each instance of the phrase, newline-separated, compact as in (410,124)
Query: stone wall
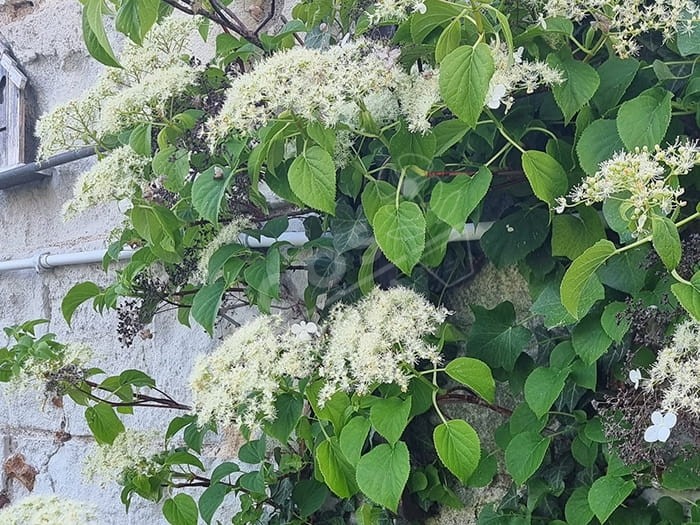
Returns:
(47,443)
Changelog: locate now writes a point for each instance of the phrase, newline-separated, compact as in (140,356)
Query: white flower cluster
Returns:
(378,340)
(131,453)
(151,75)
(642,179)
(512,73)
(62,365)
(331,87)
(229,234)
(676,372)
(48,510)
(625,20)
(239,381)
(395,10)
(114,177)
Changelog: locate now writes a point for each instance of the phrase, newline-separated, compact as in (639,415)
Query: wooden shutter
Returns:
(12,111)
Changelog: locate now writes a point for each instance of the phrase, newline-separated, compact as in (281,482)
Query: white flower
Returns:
(661,428)
(496,93)
(305,331)
(420,8)
(561,204)
(47,509)
(635,376)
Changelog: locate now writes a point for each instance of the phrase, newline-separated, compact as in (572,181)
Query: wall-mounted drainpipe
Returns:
(24,173)
(46,261)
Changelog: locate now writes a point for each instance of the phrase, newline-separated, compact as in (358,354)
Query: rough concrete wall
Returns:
(46,40)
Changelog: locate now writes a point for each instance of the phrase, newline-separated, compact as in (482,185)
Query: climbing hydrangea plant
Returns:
(568,128)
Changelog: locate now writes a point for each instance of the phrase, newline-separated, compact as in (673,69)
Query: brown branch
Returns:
(473,399)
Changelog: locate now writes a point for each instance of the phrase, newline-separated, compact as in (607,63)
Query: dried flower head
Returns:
(47,510)
(378,340)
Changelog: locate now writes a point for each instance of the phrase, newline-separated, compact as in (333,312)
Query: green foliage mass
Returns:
(604,276)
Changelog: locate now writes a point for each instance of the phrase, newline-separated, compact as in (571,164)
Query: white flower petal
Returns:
(657,417)
(662,433)
(670,420)
(651,434)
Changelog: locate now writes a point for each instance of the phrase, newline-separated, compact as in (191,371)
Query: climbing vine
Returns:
(356,150)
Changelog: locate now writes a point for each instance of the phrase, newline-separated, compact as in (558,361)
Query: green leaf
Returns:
(577,510)
(389,417)
(223,470)
(581,273)
(682,474)
(263,276)
(572,235)
(211,499)
(382,474)
(474,374)
(400,233)
(525,454)
(252,452)
(375,195)
(95,35)
(666,241)
(545,174)
(136,17)
(437,13)
(352,438)
(616,75)
(205,305)
(337,472)
(412,149)
(581,83)
(608,493)
(309,495)
(350,228)
(512,238)
(643,121)
(76,296)
(597,143)
(452,202)
(103,422)
(542,388)
(448,133)
(365,276)
(548,304)
(625,271)
(449,40)
(289,409)
(689,297)
(464,81)
(140,139)
(494,337)
(180,510)
(614,322)
(174,164)
(312,179)
(590,340)
(209,189)
(458,447)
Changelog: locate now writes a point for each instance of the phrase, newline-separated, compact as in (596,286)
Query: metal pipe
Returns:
(46,261)
(31,172)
